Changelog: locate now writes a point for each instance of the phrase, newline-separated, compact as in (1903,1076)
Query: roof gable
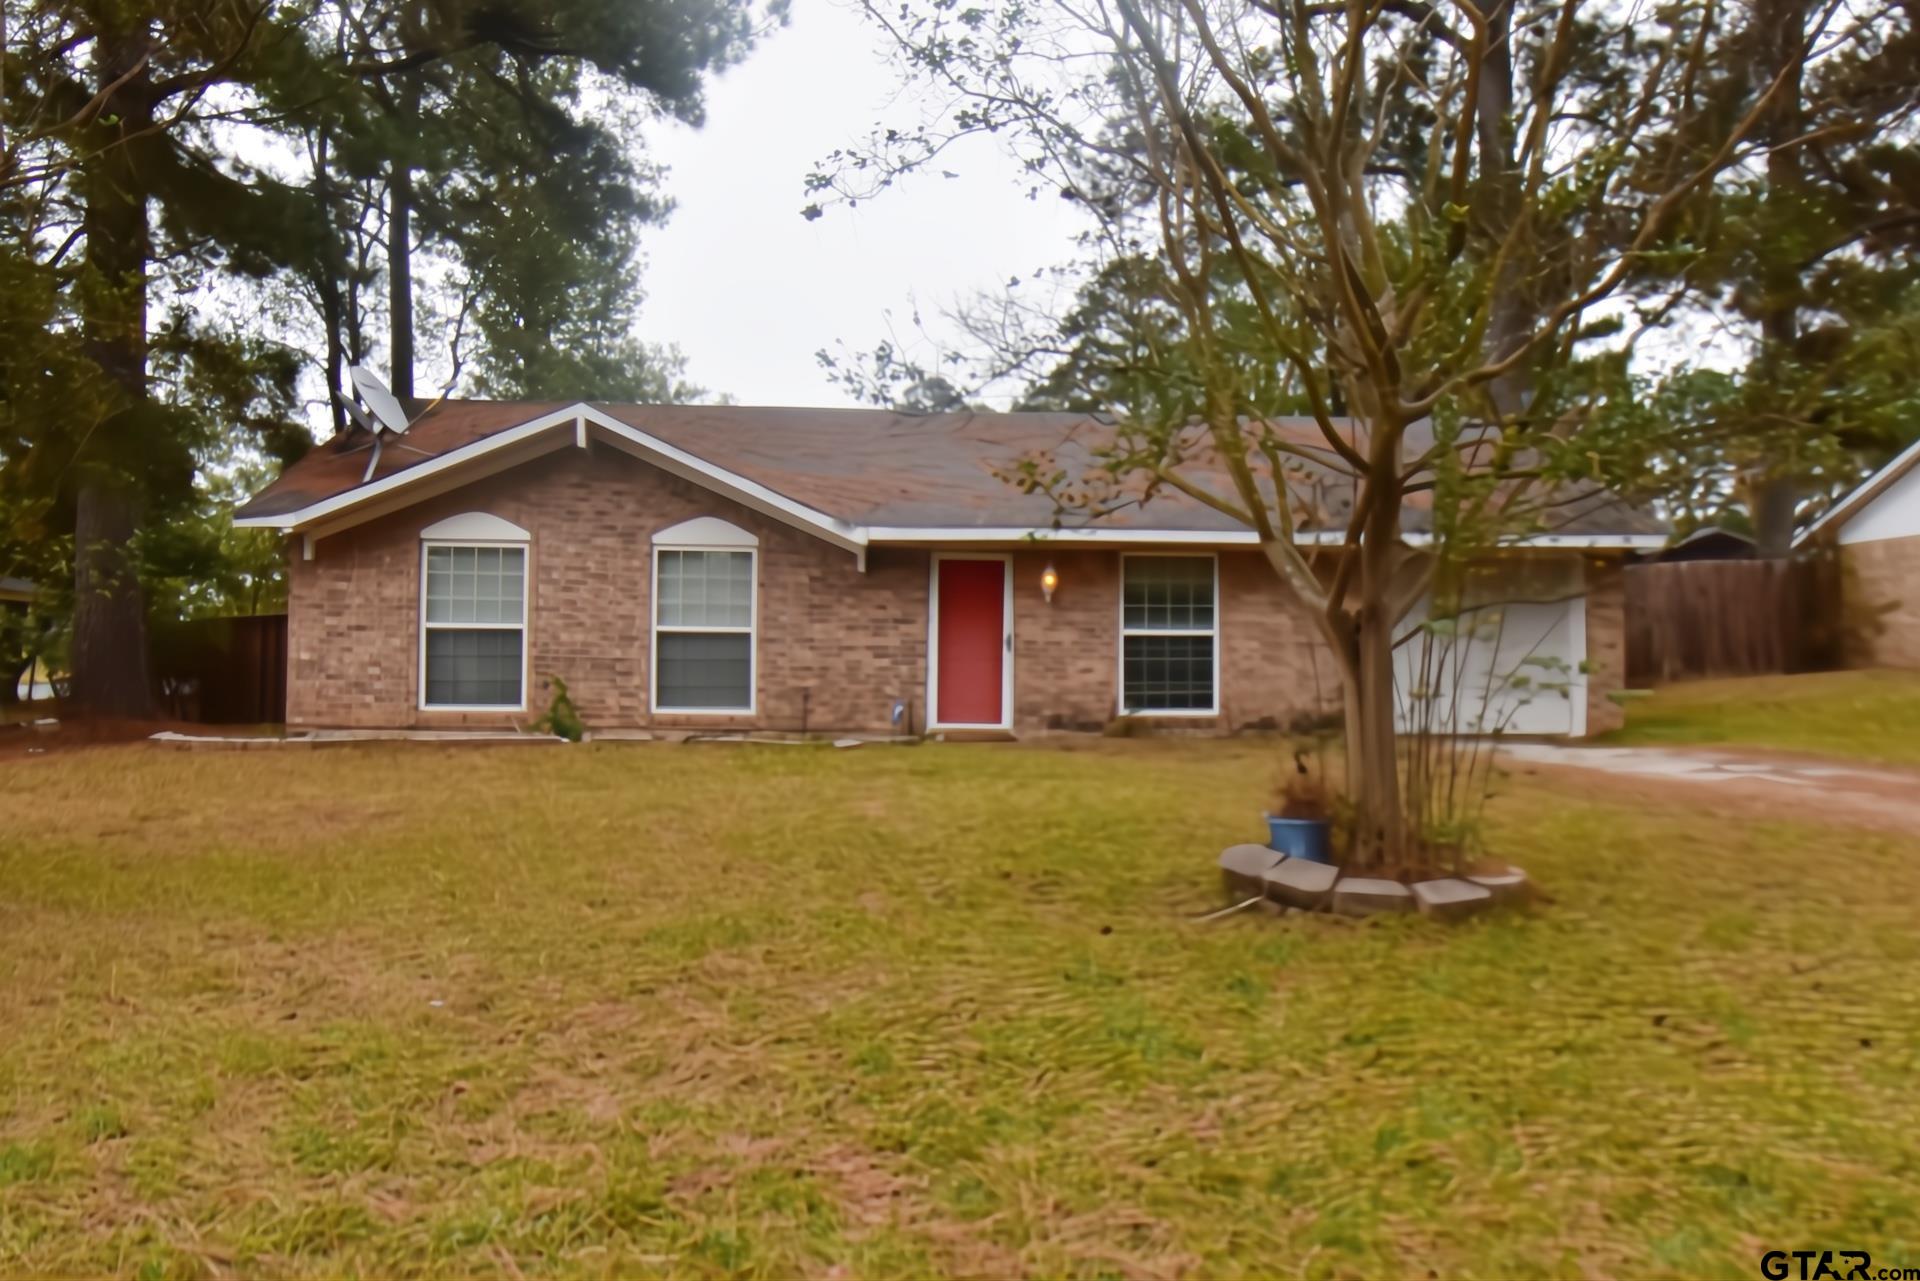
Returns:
(850,476)
(1884,505)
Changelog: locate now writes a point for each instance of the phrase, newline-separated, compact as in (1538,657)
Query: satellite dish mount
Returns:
(376,409)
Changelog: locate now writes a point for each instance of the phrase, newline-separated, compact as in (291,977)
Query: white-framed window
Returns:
(1169,634)
(705,606)
(473,615)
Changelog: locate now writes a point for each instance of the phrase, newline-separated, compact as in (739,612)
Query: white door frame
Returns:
(1006,641)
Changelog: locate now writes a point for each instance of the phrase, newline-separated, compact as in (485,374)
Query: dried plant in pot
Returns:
(1301,822)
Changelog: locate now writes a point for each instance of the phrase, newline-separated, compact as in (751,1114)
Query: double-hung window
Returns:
(703,617)
(1169,634)
(473,630)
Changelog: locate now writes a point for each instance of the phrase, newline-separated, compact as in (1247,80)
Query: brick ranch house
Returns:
(716,568)
(1876,530)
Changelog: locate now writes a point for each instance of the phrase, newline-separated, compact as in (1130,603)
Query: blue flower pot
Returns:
(1306,838)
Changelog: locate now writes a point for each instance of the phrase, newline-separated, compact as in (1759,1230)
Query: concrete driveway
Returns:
(1795,787)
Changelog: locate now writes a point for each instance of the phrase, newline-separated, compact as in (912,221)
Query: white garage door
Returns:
(1509,668)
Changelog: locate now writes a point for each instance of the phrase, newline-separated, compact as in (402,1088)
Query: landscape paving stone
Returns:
(1243,866)
(1504,886)
(1366,895)
(1450,899)
(1301,883)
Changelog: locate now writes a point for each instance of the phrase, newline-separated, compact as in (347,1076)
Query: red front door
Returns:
(970,639)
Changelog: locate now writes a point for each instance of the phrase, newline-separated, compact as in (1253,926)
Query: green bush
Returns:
(561,718)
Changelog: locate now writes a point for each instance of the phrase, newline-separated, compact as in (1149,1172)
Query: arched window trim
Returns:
(445,546)
(714,537)
(704,532)
(475,527)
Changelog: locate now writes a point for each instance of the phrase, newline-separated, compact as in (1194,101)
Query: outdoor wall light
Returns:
(1049,579)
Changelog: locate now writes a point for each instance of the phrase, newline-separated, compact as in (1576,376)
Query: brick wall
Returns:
(1067,658)
(1882,602)
(1606,643)
(835,648)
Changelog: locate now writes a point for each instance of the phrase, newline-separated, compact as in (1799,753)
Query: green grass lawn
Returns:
(772,1011)
(1871,715)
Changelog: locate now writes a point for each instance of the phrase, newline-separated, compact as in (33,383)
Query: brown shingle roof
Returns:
(872,467)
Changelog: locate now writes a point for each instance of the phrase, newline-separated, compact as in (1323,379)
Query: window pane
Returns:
(478,668)
(1168,593)
(705,589)
(1167,673)
(703,670)
(475,584)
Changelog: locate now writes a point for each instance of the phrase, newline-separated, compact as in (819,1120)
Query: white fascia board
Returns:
(288,522)
(650,448)
(749,493)
(1597,542)
(1014,534)
(1862,494)
(845,534)
(882,534)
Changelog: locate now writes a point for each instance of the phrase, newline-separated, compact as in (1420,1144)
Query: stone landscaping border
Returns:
(1255,871)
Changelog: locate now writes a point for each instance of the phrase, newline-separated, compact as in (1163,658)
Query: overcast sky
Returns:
(749,290)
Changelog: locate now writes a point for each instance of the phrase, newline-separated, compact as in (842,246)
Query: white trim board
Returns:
(525,626)
(1864,496)
(1121,634)
(1894,512)
(361,503)
(951,535)
(1006,641)
(751,550)
(475,527)
(491,454)
(704,532)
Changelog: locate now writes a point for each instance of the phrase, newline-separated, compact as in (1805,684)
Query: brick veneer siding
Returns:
(1881,586)
(1067,655)
(834,649)
(1606,643)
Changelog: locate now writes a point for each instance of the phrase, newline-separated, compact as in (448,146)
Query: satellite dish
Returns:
(371,390)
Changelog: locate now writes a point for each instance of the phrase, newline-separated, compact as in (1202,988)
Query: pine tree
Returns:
(124,137)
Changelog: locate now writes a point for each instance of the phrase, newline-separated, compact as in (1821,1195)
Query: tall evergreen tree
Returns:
(123,135)
(1810,261)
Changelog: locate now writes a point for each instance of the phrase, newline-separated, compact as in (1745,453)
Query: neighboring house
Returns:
(1877,531)
(1709,542)
(714,568)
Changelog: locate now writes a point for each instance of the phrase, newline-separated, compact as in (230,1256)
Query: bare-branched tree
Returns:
(1402,218)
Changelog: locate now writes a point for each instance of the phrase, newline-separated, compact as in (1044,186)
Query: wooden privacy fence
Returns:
(223,671)
(1731,618)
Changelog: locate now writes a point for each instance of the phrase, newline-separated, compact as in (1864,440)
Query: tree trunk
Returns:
(1514,314)
(1373,777)
(110,663)
(12,668)
(327,279)
(1780,28)
(1772,502)
(400,278)
(111,673)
